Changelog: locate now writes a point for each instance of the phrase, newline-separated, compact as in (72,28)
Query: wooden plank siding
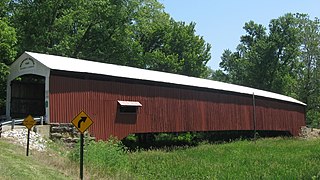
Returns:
(165,107)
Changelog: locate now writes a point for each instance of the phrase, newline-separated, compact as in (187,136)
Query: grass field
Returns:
(14,164)
(266,159)
(275,158)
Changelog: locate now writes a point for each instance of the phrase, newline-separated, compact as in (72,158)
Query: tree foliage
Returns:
(264,60)
(127,32)
(284,59)
(308,87)
(7,54)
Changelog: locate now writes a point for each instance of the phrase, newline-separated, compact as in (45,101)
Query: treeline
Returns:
(126,32)
(285,58)
(139,33)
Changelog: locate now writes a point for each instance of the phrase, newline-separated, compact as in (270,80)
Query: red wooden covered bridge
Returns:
(123,100)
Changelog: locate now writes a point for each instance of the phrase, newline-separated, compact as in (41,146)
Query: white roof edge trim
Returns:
(130,103)
(77,65)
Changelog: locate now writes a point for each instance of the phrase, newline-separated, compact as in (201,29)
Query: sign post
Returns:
(29,122)
(0,129)
(81,156)
(82,122)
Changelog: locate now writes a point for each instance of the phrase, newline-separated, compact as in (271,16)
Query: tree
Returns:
(308,77)
(4,8)
(127,32)
(218,75)
(266,61)
(7,55)
(179,50)
(285,60)
(81,29)
(167,45)
(191,50)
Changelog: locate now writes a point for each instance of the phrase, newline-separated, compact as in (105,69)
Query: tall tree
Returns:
(179,50)
(128,32)
(266,61)
(190,49)
(82,29)
(7,55)
(284,60)
(309,82)
(4,8)
(167,45)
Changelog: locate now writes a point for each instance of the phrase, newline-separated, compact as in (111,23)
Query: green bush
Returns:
(313,118)
(186,137)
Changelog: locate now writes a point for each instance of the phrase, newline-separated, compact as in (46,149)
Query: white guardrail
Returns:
(13,122)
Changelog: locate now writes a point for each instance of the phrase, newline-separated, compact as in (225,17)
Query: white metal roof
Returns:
(78,65)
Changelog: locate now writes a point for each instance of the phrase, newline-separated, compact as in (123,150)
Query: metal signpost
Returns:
(82,122)
(29,122)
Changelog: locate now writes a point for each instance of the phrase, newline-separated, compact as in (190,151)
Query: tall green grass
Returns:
(275,158)
(105,158)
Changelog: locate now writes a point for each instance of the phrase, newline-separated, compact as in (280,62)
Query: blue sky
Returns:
(221,22)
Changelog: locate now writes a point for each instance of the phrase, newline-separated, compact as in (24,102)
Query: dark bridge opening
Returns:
(28,96)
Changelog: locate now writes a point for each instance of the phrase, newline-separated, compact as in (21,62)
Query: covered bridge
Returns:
(123,100)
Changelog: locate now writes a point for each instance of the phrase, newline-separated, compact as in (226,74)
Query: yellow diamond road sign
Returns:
(29,122)
(82,122)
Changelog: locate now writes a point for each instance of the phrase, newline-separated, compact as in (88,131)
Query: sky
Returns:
(221,22)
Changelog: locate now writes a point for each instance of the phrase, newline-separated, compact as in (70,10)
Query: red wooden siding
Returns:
(283,116)
(165,108)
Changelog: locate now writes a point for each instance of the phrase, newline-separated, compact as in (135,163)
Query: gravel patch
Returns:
(19,136)
(310,133)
